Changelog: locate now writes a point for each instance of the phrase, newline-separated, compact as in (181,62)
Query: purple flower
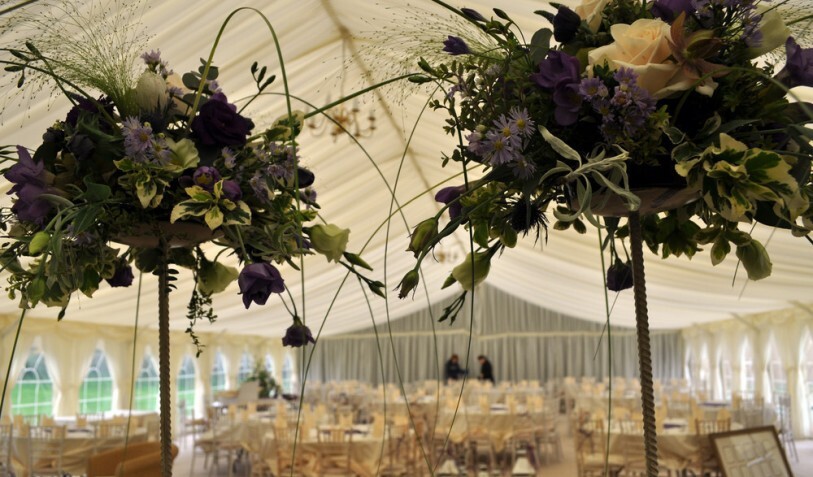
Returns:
(799,67)
(123,276)
(521,121)
(566,23)
(568,102)
(153,57)
(297,335)
(88,105)
(28,178)
(500,149)
(219,124)
(137,138)
(206,177)
(473,14)
(557,68)
(228,158)
(523,168)
(476,144)
(509,131)
(668,10)
(450,195)
(305,177)
(619,276)
(231,190)
(455,45)
(258,281)
(592,88)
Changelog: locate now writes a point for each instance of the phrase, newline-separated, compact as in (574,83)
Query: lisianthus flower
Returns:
(798,70)
(231,190)
(29,182)
(447,195)
(568,102)
(473,14)
(297,335)
(123,276)
(566,23)
(619,276)
(219,124)
(258,281)
(668,10)
(455,45)
(557,68)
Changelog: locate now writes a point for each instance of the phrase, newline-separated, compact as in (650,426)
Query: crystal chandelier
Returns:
(344,119)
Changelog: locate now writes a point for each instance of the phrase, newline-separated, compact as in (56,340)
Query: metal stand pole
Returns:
(164,367)
(644,352)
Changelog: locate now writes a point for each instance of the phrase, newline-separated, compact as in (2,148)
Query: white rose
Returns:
(644,48)
(151,92)
(590,11)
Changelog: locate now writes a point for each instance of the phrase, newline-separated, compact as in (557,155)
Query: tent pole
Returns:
(163,355)
(644,351)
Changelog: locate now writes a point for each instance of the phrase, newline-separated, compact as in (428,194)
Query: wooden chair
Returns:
(136,460)
(334,451)
(6,437)
(710,426)
(591,458)
(46,445)
(289,463)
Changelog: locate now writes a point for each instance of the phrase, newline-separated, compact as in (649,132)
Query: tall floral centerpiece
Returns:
(158,171)
(663,116)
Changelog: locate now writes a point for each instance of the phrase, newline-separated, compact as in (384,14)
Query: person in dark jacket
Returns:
(452,371)
(486,371)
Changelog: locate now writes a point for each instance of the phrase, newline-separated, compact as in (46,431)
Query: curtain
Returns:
(522,341)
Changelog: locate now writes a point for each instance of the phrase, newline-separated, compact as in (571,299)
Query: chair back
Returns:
(336,434)
(631,426)
(46,445)
(6,436)
(711,426)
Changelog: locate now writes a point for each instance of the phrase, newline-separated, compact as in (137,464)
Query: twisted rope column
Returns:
(644,351)
(163,357)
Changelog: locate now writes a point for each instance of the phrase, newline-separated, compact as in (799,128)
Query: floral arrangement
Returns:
(269,388)
(156,161)
(670,95)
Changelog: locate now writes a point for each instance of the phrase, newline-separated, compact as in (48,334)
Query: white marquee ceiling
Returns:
(563,275)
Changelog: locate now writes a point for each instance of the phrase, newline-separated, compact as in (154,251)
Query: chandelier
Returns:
(340,119)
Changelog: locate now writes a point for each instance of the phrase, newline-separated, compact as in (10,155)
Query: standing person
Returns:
(486,371)
(452,371)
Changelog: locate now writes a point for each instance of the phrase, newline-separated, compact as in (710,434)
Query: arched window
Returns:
(218,378)
(186,385)
(288,377)
(750,385)
(246,368)
(270,366)
(96,393)
(146,387)
(33,393)
(776,372)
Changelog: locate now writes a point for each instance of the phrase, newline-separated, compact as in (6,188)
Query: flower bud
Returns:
(773,32)
(329,240)
(38,242)
(619,276)
(422,236)
(409,282)
(470,275)
(566,23)
(214,277)
(151,93)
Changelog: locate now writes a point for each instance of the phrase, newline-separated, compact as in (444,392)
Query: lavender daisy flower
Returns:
(229,160)
(522,121)
(152,57)
(137,138)
(592,88)
(523,168)
(500,149)
(259,185)
(477,144)
(509,131)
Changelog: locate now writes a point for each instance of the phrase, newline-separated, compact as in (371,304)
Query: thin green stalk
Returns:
(11,359)
(16,7)
(609,356)
(133,365)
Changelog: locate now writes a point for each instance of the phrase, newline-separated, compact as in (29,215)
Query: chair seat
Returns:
(598,460)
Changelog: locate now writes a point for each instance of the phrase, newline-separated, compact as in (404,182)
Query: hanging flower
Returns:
(297,335)
(258,281)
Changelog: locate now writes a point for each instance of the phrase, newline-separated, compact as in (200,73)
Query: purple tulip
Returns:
(799,67)
(206,177)
(219,124)
(447,195)
(258,281)
(231,190)
(558,68)
(297,335)
(122,277)
(668,10)
(455,45)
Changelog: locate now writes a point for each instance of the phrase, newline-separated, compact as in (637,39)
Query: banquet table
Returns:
(79,445)
(498,425)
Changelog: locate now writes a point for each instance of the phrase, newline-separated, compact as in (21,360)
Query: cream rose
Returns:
(151,92)
(590,11)
(644,48)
